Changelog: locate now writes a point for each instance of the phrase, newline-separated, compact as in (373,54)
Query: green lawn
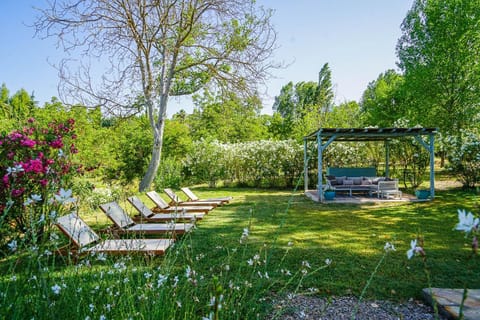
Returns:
(290,238)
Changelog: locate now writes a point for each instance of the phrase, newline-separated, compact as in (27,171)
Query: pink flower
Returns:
(34,165)
(43,182)
(15,136)
(10,155)
(27,143)
(31,120)
(5,179)
(17,192)
(73,150)
(57,144)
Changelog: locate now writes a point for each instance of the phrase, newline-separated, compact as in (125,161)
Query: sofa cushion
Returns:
(340,179)
(348,182)
(366,182)
(357,181)
(333,182)
(377,179)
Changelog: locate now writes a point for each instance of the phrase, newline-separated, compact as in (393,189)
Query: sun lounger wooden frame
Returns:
(148,215)
(175,200)
(192,197)
(162,206)
(86,240)
(125,224)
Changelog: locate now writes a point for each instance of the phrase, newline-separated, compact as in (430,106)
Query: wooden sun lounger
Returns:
(175,200)
(162,206)
(192,197)
(148,215)
(84,237)
(125,224)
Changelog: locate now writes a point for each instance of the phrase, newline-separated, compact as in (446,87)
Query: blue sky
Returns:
(357,39)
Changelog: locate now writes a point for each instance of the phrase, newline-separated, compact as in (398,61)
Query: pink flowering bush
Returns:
(35,164)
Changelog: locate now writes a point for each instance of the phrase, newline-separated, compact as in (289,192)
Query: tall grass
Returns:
(245,255)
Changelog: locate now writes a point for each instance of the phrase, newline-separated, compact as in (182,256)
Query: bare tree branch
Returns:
(126,51)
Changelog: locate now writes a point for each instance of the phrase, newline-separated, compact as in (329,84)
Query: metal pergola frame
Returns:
(330,135)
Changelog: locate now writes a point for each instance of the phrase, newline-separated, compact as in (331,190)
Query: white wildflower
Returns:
(414,249)
(53,215)
(56,289)
(389,247)
(101,256)
(64,196)
(161,280)
(12,245)
(466,222)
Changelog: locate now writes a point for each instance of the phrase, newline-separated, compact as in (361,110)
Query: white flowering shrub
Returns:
(464,158)
(206,163)
(258,163)
(92,196)
(169,174)
(350,154)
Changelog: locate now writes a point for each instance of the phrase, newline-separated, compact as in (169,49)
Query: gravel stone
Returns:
(341,308)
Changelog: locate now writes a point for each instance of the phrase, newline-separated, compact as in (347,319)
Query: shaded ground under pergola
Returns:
(362,198)
(323,137)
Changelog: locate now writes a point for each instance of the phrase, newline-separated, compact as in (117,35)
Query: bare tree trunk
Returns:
(156,156)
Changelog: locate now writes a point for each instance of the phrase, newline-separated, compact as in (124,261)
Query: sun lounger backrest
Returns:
(190,194)
(117,215)
(155,197)
(172,195)
(140,206)
(77,230)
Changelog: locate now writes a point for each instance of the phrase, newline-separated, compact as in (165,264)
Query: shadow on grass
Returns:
(352,236)
(280,242)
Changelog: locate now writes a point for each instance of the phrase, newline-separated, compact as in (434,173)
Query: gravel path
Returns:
(341,308)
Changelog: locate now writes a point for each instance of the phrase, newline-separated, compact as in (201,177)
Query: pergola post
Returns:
(319,167)
(321,147)
(305,165)
(431,151)
(432,166)
(387,159)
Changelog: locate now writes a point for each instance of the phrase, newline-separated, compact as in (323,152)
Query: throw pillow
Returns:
(357,181)
(340,179)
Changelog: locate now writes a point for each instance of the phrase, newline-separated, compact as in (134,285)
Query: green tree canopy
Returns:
(438,54)
(227,118)
(381,102)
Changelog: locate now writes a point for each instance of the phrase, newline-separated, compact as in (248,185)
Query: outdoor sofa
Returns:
(361,180)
